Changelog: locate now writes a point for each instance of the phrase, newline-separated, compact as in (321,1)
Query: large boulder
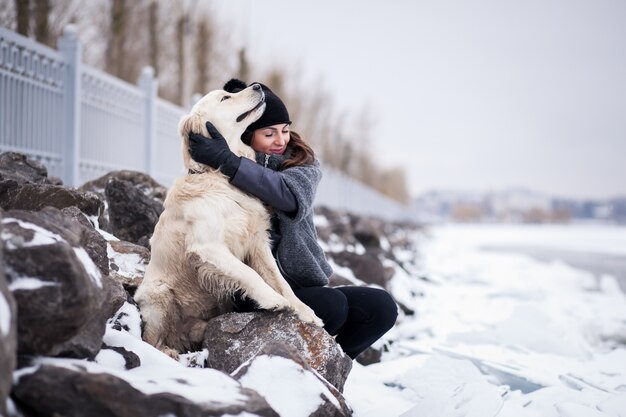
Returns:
(143,183)
(295,388)
(132,214)
(234,338)
(57,285)
(8,339)
(22,169)
(24,185)
(71,391)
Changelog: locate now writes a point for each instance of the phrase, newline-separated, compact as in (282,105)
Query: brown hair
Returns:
(301,152)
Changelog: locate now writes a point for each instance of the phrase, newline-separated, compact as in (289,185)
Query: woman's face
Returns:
(271,139)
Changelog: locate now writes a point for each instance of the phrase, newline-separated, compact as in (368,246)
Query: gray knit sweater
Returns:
(297,251)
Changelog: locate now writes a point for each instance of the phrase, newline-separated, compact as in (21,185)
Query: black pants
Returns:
(357,315)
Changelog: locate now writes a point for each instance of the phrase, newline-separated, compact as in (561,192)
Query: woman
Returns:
(285,177)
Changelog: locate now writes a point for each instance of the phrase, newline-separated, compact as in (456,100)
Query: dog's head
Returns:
(230,113)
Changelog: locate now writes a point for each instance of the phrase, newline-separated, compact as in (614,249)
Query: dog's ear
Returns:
(190,123)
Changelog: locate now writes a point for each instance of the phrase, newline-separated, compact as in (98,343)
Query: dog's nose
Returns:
(256,86)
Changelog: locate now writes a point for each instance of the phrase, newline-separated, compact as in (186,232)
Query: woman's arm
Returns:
(264,183)
(267,185)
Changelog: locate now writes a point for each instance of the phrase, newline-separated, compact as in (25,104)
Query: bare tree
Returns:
(203,52)
(243,72)
(154,35)
(115,56)
(22,12)
(42,29)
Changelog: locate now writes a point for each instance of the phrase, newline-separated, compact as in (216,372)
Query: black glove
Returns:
(213,152)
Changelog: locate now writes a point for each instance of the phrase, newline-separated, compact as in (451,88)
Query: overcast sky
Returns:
(468,95)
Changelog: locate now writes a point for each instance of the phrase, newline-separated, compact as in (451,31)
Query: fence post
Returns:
(148,85)
(71,49)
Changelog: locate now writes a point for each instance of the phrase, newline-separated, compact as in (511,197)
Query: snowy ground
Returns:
(501,333)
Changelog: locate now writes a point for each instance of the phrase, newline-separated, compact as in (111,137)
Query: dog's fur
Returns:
(211,239)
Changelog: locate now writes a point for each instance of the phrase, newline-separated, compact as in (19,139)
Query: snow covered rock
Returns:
(132,214)
(8,339)
(58,287)
(128,263)
(234,338)
(75,390)
(296,390)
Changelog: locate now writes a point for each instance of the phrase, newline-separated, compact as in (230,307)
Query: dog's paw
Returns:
(171,353)
(274,303)
(306,314)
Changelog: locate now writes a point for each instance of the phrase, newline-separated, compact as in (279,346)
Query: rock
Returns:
(22,169)
(367,267)
(281,364)
(59,391)
(234,338)
(16,196)
(8,340)
(132,214)
(368,231)
(90,239)
(369,356)
(131,359)
(88,341)
(142,182)
(57,286)
(24,185)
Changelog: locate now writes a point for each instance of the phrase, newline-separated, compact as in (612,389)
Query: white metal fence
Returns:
(82,123)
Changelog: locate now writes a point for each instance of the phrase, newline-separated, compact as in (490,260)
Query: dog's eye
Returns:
(225,98)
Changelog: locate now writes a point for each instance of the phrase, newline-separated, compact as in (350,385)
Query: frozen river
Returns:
(510,321)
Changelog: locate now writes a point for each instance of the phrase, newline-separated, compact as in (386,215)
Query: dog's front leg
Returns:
(262,261)
(219,270)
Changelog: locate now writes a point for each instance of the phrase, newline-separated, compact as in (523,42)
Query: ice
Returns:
(501,333)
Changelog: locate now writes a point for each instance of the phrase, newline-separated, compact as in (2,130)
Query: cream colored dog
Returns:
(211,239)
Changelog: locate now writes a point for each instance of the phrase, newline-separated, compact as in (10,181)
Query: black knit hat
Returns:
(275,111)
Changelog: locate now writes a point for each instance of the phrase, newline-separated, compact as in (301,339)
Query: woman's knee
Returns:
(379,304)
(328,304)
(388,309)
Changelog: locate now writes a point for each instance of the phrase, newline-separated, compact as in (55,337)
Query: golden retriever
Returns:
(211,239)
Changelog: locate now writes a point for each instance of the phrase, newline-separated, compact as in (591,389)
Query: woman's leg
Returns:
(371,312)
(329,304)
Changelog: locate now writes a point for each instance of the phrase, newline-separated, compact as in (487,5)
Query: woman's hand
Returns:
(213,151)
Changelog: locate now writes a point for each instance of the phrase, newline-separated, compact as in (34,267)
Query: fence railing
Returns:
(83,123)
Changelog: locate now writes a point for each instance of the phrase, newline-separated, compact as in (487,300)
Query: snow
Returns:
(130,264)
(493,334)
(502,334)
(41,236)
(29,284)
(91,268)
(5,316)
(299,392)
